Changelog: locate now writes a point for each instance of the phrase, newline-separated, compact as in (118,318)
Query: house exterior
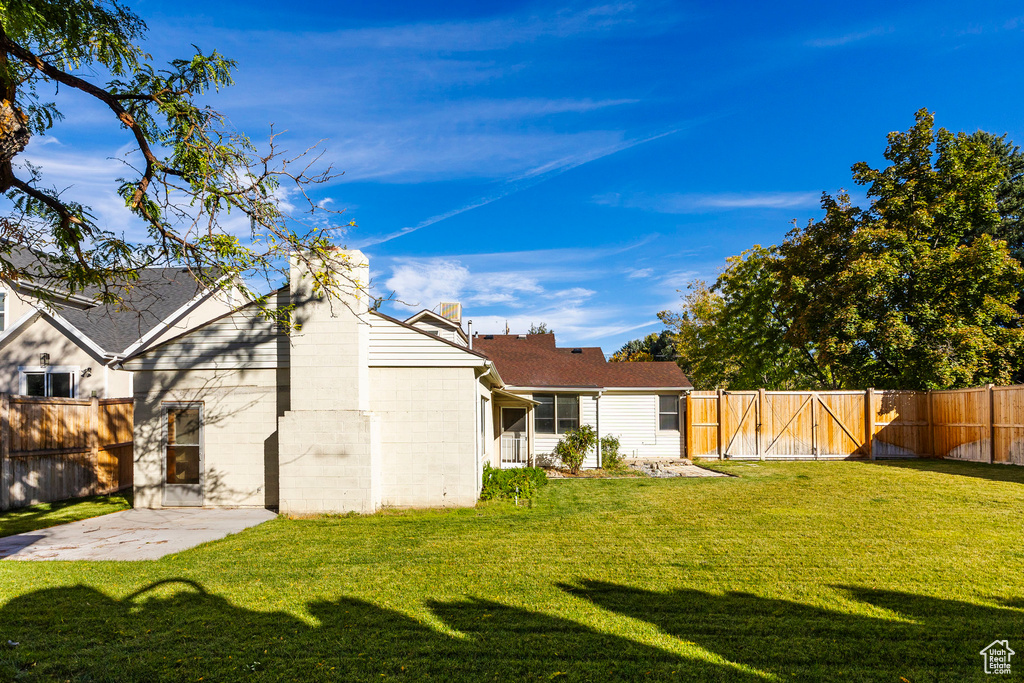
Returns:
(550,390)
(56,344)
(353,412)
(356,410)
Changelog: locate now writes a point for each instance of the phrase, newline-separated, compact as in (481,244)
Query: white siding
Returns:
(544,444)
(394,345)
(443,331)
(244,339)
(633,417)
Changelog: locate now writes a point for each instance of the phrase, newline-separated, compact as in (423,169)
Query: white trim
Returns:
(412,320)
(9,332)
(62,295)
(183,405)
(555,390)
(658,413)
(23,370)
(59,321)
(174,317)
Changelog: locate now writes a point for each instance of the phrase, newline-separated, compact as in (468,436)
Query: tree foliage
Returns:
(917,291)
(539,329)
(657,346)
(188,170)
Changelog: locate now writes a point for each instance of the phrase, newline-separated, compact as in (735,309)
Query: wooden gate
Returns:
(759,425)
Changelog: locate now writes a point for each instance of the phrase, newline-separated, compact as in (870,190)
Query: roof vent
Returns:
(577,350)
(488,336)
(451,310)
(520,336)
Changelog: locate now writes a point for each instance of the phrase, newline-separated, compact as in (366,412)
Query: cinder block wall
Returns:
(239,422)
(329,440)
(428,435)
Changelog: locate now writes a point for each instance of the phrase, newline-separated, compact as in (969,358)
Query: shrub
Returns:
(574,446)
(521,481)
(610,456)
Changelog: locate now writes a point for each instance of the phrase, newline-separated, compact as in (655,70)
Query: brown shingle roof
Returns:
(534,361)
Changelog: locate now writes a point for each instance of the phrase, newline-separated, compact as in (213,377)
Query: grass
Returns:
(790,571)
(46,515)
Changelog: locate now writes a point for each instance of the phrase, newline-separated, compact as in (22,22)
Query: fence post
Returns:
(758,433)
(688,437)
(869,421)
(814,424)
(721,413)
(991,423)
(93,441)
(930,426)
(6,475)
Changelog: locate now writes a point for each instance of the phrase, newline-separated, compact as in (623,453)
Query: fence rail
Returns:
(982,424)
(58,448)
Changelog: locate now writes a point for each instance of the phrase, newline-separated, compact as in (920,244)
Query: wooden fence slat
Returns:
(53,449)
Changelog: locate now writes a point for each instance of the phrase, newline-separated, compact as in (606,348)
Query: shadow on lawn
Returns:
(926,639)
(979,470)
(176,631)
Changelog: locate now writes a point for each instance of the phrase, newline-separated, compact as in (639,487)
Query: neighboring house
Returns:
(551,390)
(355,410)
(56,344)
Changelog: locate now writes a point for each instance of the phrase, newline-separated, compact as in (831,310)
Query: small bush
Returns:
(574,446)
(521,481)
(610,456)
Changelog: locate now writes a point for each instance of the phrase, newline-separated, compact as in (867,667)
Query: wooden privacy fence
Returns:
(984,424)
(58,448)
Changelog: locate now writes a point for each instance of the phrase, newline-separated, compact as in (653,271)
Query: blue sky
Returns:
(574,163)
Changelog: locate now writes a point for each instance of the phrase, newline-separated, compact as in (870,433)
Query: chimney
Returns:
(331,347)
(329,443)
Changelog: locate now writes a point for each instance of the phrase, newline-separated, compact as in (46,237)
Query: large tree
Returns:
(913,292)
(734,333)
(916,291)
(657,346)
(188,169)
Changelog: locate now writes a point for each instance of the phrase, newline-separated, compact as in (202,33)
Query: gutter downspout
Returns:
(597,428)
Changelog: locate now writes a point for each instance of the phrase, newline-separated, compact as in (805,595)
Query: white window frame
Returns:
(165,407)
(555,395)
(659,413)
(6,310)
(24,370)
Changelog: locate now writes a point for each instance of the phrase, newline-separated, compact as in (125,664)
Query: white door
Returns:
(183,455)
(515,450)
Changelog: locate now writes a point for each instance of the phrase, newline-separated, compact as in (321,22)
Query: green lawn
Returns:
(790,571)
(50,514)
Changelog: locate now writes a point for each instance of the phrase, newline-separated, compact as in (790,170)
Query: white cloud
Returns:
(423,283)
(846,39)
(639,273)
(683,203)
(495,33)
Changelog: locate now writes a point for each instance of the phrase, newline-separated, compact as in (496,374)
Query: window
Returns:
(55,380)
(567,412)
(483,420)
(668,413)
(3,311)
(183,444)
(556,413)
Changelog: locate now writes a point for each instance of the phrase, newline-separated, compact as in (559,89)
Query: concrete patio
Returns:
(131,535)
